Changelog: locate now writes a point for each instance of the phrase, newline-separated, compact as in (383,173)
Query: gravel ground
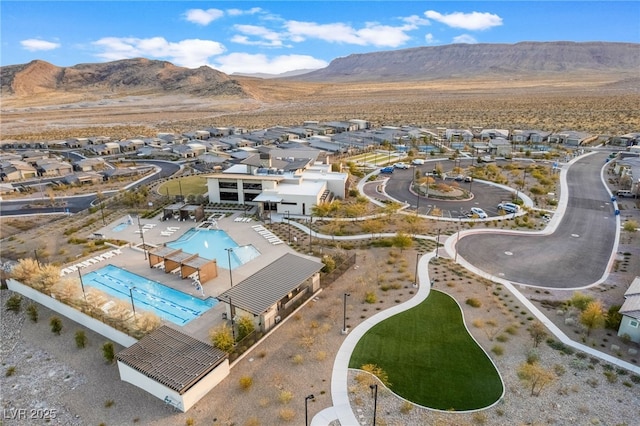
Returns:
(296,360)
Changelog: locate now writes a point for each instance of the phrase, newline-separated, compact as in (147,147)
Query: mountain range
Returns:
(457,61)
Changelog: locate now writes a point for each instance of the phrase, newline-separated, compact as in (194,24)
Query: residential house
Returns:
(630,310)
(15,170)
(489,134)
(131,145)
(90,164)
(572,138)
(184,151)
(458,135)
(52,167)
(530,136)
(109,148)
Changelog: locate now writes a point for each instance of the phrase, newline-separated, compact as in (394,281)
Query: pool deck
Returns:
(132,258)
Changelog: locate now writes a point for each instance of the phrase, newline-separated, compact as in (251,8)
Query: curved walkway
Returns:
(341,409)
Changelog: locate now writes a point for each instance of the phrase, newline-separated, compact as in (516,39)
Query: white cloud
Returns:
(269,37)
(203,17)
(191,53)
(35,45)
(469,21)
(465,38)
(430,39)
(239,12)
(250,64)
(372,34)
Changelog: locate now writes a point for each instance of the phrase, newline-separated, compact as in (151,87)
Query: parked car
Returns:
(387,169)
(624,193)
(417,161)
(459,178)
(477,211)
(508,207)
(468,179)
(401,165)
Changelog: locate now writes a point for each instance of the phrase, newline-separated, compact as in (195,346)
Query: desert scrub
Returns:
(473,302)
(246,382)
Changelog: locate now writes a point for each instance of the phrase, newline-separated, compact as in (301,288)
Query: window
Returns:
(231,185)
(633,323)
(229,196)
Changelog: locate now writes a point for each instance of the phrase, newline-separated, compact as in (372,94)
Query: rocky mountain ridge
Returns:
(620,62)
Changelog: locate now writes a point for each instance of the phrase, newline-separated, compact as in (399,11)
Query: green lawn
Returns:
(430,357)
(196,185)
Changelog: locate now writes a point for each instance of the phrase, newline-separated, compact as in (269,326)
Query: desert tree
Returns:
(535,376)
(593,316)
(402,241)
(246,326)
(222,338)
(538,332)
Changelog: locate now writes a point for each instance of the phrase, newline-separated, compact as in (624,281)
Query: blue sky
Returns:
(279,36)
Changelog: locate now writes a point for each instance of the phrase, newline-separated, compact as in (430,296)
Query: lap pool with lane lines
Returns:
(166,302)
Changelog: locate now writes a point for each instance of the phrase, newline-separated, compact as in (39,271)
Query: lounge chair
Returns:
(275,243)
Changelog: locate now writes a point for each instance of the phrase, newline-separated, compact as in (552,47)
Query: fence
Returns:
(327,279)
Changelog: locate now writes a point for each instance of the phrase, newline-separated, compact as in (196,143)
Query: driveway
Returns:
(576,254)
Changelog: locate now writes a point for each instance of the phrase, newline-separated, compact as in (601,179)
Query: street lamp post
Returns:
(233,331)
(289,223)
(144,247)
(306,410)
(415,283)
(437,242)
(229,250)
(310,223)
(344,316)
(457,240)
(82,285)
(132,305)
(374,392)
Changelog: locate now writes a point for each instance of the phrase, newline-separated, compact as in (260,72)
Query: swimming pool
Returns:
(166,302)
(212,244)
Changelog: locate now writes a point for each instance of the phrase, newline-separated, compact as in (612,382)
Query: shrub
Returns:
(611,376)
(246,326)
(108,352)
(10,371)
(498,350)
(298,359)
(406,407)
(246,382)
(109,403)
(32,312)
(81,339)
(473,302)
(285,396)
(378,372)
(222,338)
(13,303)
(533,356)
(287,414)
(56,325)
(370,297)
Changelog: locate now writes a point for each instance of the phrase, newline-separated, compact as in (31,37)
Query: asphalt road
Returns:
(577,254)
(77,203)
(485,196)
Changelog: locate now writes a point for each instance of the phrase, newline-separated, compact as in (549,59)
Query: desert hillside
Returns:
(130,76)
(520,60)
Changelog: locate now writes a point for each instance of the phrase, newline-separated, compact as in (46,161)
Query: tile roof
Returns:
(172,358)
(263,289)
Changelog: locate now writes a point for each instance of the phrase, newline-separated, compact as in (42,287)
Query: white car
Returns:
(477,211)
(417,162)
(508,207)
(401,165)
